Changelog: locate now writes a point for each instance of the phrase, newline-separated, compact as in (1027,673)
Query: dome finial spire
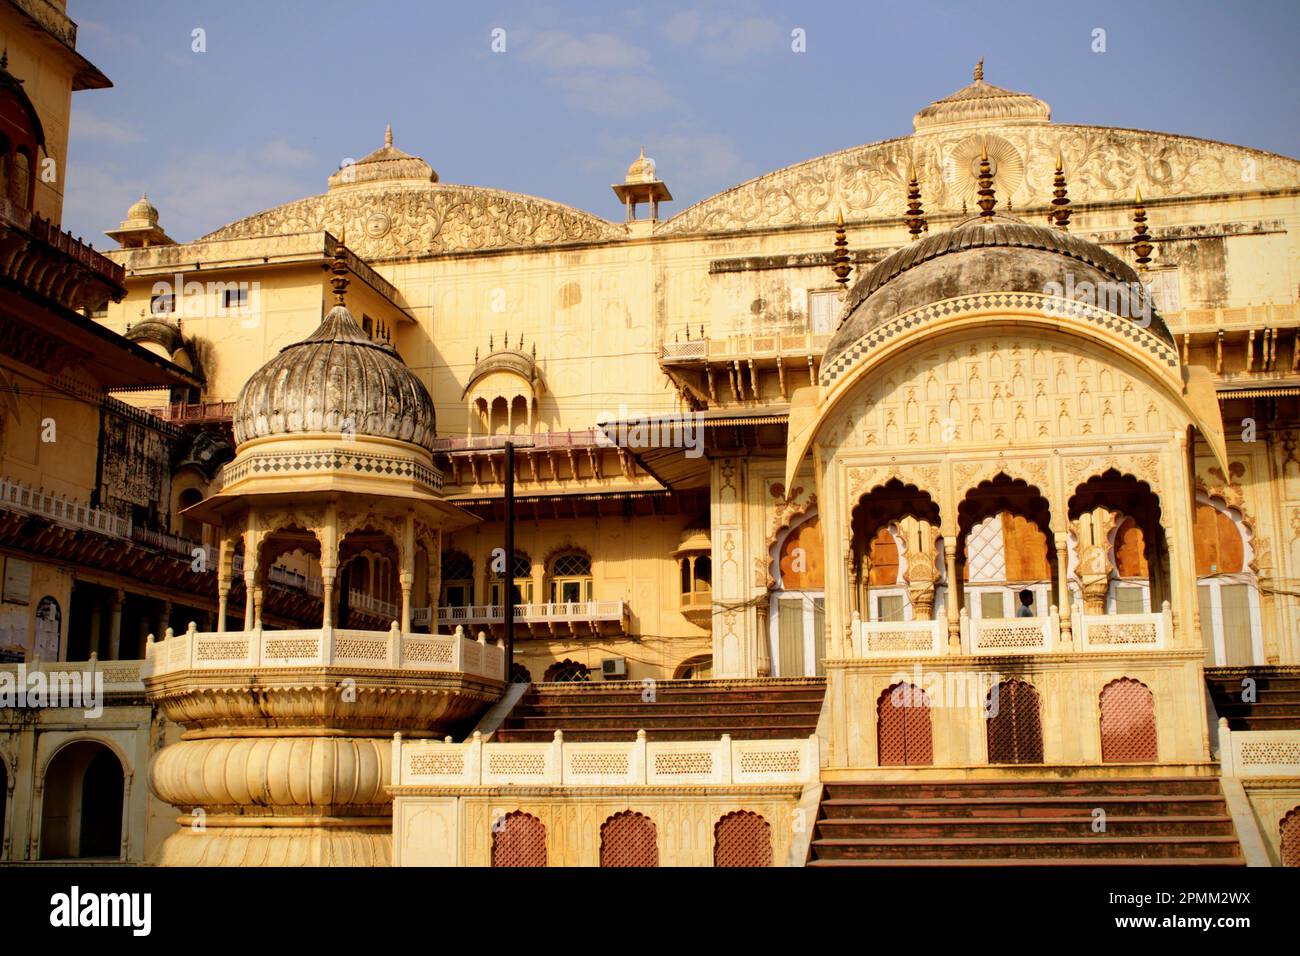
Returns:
(840,260)
(978,75)
(339,280)
(915,218)
(1141,241)
(1061,200)
(988,199)
(388,135)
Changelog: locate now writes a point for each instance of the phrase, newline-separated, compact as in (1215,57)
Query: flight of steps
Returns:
(758,709)
(1025,822)
(1277,698)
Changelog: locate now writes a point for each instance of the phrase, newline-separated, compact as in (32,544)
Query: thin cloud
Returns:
(729,39)
(619,95)
(557,50)
(88,126)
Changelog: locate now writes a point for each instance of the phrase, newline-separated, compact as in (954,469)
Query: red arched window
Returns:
(1015,729)
(903,727)
(518,839)
(1290,827)
(1128,722)
(742,838)
(629,839)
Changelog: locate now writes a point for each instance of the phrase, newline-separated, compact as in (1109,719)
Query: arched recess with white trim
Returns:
(797,600)
(1227,586)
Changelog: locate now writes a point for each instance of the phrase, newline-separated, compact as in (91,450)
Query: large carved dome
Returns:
(996,254)
(336,380)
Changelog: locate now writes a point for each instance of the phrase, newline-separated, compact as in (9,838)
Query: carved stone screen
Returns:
(1128,722)
(629,839)
(742,838)
(518,839)
(903,727)
(1015,729)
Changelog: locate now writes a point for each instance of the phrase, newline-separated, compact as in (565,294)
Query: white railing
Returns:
(534,613)
(119,677)
(698,349)
(61,509)
(1125,632)
(1258,753)
(1010,635)
(720,763)
(324,647)
(897,638)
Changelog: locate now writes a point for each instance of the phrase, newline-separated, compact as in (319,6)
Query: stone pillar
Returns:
(328,536)
(164,616)
(225,573)
(1182,550)
(257,607)
(1063,588)
(115,624)
(952,600)
(406,576)
(96,627)
(252,547)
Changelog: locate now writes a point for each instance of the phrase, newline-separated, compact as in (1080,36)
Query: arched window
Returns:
(903,736)
(519,674)
(521,571)
(189,528)
(798,605)
(1128,722)
(570,578)
(1007,557)
(81,812)
(457,579)
(1015,729)
(49,628)
(1226,587)
(518,839)
(699,667)
(886,588)
(629,839)
(20,179)
(567,672)
(1289,828)
(742,838)
(1130,590)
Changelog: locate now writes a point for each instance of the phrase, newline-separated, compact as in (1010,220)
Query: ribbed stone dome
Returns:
(998,254)
(336,378)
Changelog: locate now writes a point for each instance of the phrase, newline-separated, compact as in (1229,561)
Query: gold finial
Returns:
(979,71)
(840,260)
(915,218)
(339,271)
(388,135)
(1141,241)
(1060,214)
(988,199)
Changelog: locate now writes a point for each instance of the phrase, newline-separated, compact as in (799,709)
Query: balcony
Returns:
(60,509)
(576,619)
(52,263)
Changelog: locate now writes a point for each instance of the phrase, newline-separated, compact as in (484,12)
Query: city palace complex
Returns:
(935,501)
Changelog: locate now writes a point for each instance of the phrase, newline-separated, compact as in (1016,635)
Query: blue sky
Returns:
(286,91)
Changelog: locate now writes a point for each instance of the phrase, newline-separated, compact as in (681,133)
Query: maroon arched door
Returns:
(1015,728)
(1128,722)
(1290,827)
(903,735)
(518,839)
(629,839)
(742,838)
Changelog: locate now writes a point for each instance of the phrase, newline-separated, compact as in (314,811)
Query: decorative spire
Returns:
(840,261)
(978,76)
(915,218)
(339,271)
(988,199)
(1141,241)
(388,135)
(1061,201)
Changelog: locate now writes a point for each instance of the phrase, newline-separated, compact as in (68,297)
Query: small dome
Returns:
(980,103)
(642,169)
(386,164)
(998,254)
(336,380)
(143,211)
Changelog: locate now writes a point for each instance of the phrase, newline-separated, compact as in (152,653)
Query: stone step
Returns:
(1063,849)
(667,705)
(1022,827)
(1023,787)
(1015,807)
(1111,861)
(647,721)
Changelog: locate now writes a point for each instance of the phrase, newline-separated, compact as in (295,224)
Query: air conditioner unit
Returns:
(612,668)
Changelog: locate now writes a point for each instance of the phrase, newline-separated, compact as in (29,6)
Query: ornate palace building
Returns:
(925,502)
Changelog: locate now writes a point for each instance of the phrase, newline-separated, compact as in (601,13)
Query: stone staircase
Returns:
(1277,697)
(1025,822)
(758,709)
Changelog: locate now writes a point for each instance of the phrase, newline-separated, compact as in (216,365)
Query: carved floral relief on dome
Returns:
(403,221)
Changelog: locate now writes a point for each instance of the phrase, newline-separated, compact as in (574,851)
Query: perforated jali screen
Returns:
(742,839)
(629,839)
(519,839)
(903,727)
(1015,730)
(1128,722)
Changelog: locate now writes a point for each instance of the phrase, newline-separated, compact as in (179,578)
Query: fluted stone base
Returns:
(303,845)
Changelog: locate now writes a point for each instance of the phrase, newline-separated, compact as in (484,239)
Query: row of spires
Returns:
(1058,215)
(505,344)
